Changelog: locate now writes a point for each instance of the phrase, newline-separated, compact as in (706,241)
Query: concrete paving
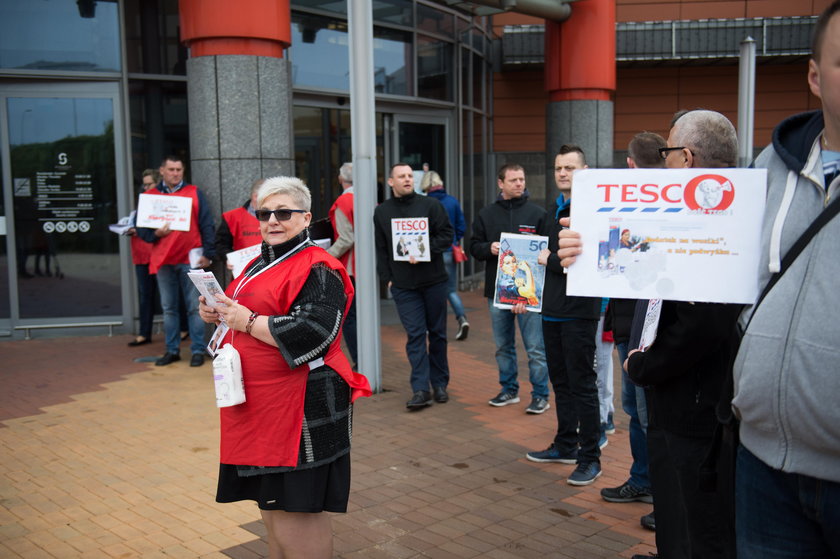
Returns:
(103,456)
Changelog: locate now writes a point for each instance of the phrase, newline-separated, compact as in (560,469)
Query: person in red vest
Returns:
(239,228)
(341,218)
(287,447)
(141,254)
(170,260)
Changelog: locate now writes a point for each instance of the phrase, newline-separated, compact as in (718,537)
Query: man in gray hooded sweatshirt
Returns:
(787,373)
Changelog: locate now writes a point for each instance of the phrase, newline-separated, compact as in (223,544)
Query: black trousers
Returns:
(570,354)
(690,523)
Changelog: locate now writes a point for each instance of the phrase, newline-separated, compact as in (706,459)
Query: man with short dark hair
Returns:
(511,213)
(418,287)
(787,376)
(642,152)
(170,260)
(569,327)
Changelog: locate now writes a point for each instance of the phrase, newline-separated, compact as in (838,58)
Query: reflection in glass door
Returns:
(419,143)
(61,187)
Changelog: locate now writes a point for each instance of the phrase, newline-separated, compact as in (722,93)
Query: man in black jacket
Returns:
(511,213)
(684,370)
(418,286)
(569,328)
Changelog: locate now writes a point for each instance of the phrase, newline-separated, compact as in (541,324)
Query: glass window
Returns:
(158,122)
(434,68)
(478,82)
(335,6)
(466,82)
(393,71)
(5,306)
(152,41)
(64,191)
(319,52)
(393,11)
(59,35)
(435,21)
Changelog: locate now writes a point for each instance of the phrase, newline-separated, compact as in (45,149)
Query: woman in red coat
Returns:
(287,446)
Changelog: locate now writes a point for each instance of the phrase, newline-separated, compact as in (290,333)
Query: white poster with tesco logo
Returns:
(678,234)
(410,239)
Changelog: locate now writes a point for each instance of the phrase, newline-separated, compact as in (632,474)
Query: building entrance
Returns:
(61,163)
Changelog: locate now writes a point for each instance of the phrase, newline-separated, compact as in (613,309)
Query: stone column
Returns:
(239,94)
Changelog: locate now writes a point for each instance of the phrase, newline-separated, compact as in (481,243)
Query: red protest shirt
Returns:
(244,228)
(344,203)
(265,430)
(175,247)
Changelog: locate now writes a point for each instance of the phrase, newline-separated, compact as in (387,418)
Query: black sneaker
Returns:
(553,454)
(504,399)
(167,359)
(648,521)
(463,329)
(648,556)
(537,405)
(420,400)
(626,493)
(585,473)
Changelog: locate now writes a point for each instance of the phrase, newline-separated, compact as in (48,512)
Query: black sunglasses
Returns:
(663,152)
(281,214)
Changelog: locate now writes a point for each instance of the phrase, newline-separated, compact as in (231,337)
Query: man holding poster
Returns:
(511,213)
(684,369)
(170,260)
(412,232)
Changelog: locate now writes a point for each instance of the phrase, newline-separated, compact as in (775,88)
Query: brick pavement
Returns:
(101,456)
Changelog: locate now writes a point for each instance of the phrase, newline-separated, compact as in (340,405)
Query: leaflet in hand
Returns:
(207,285)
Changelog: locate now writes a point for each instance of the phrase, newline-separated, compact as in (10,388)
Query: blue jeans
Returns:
(504,334)
(604,368)
(634,405)
(423,312)
(780,515)
(174,284)
(451,285)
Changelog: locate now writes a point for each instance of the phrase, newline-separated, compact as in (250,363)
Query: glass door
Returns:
(61,159)
(424,144)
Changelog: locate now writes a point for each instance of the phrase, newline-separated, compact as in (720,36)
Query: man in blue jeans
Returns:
(170,260)
(417,285)
(511,213)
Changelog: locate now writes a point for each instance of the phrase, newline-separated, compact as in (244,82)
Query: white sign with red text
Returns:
(410,238)
(678,234)
(154,211)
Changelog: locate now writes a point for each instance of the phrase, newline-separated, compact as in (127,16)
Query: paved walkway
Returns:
(102,456)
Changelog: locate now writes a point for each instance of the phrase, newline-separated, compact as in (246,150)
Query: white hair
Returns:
(292,187)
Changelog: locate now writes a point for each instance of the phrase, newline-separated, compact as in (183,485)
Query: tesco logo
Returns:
(706,193)
(412,224)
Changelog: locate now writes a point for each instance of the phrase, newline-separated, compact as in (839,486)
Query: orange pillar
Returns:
(580,80)
(244,27)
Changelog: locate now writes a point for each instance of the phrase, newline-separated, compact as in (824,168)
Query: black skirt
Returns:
(323,488)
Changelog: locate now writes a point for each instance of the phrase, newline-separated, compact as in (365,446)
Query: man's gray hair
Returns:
(292,187)
(709,135)
(346,173)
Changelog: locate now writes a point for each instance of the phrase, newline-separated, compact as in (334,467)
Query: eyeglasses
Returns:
(282,214)
(663,152)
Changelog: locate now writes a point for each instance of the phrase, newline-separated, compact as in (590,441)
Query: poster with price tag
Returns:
(519,277)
